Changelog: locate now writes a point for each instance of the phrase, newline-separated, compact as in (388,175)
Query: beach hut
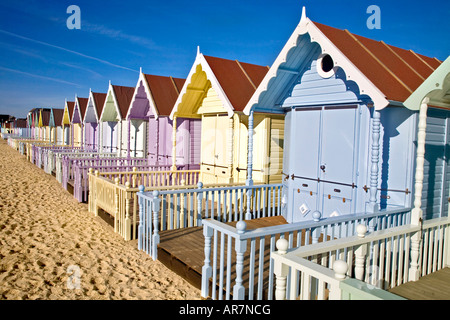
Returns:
(113,123)
(66,122)
(19,127)
(55,124)
(151,130)
(43,124)
(349,143)
(34,123)
(29,124)
(77,121)
(216,91)
(91,119)
(432,180)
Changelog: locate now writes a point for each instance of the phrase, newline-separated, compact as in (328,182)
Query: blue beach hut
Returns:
(350,144)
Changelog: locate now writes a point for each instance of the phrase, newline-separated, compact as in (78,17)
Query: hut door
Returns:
(241,148)
(337,164)
(221,169)
(208,149)
(323,164)
(435,192)
(214,149)
(66,135)
(152,141)
(77,134)
(137,138)
(110,137)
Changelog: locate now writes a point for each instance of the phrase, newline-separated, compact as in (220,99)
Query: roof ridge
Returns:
(174,85)
(378,60)
(398,56)
(245,73)
(422,60)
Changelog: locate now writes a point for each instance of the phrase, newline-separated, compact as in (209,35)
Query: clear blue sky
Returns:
(42,62)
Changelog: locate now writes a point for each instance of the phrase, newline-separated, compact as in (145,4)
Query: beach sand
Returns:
(48,238)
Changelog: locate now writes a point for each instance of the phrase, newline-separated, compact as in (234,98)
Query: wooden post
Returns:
(157,142)
(206,269)
(240,247)
(116,203)
(129,138)
(155,237)
(230,147)
(199,204)
(248,213)
(375,158)
(127,222)
(340,268)
(281,270)
(174,144)
(93,193)
(250,149)
(249,181)
(134,177)
(416,213)
(141,218)
(447,247)
(360,253)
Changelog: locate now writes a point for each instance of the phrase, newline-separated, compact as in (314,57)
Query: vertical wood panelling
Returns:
(436,176)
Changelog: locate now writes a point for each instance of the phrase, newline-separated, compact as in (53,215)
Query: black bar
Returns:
(353,185)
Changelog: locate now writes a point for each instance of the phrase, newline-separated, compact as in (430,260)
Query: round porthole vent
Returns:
(325,66)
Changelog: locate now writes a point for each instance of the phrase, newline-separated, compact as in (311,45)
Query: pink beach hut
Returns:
(77,121)
(152,133)
(91,120)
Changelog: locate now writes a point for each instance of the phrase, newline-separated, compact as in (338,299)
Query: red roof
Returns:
(58,116)
(124,95)
(395,72)
(70,107)
(238,80)
(82,104)
(165,91)
(21,123)
(99,99)
(45,117)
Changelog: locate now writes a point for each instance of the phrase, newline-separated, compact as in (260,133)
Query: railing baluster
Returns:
(228,266)
(214,271)
(251,280)
(222,263)
(206,269)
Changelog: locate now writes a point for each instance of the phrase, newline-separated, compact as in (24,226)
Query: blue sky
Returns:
(42,62)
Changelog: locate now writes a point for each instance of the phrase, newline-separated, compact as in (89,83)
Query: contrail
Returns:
(39,76)
(64,49)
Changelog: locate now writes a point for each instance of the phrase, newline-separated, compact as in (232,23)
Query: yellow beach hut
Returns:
(43,124)
(77,121)
(66,122)
(217,90)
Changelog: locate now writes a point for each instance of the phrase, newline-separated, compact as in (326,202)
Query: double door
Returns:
(214,153)
(138,138)
(325,156)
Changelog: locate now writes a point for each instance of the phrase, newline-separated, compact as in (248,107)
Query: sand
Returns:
(52,248)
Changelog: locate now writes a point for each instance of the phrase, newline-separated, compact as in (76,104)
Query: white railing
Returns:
(176,209)
(250,246)
(381,259)
(116,193)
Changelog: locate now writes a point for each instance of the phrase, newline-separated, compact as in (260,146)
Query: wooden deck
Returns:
(182,250)
(435,286)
